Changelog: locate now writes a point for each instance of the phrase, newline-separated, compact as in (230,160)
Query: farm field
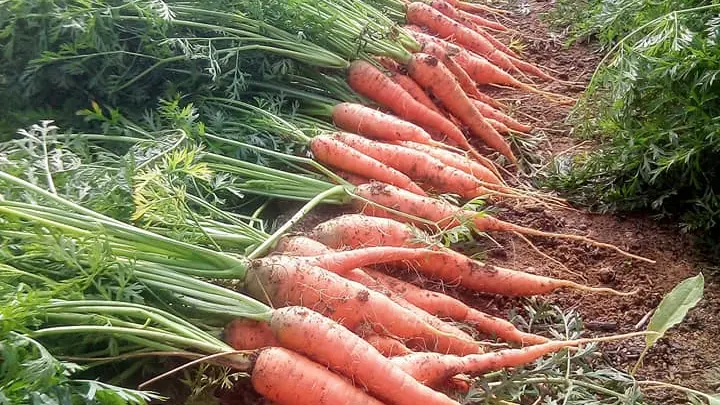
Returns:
(364,202)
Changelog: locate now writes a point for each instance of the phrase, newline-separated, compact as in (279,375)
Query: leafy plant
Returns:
(654,104)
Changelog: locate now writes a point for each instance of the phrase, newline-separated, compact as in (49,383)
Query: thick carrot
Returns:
(419,166)
(355,231)
(445,306)
(334,153)
(408,84)
(330,344)
(287,378)
(489,112)
(372,83)
(482,172)
(352,178)
(286,281)
(446,28)
(444,214)
(366,121)
(432,75)
(474,24)
(246,334)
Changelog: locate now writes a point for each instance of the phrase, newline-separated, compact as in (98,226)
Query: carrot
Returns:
(246,334)
(334,153)
(287,378)
(445,27)
(389,347)
(499,126)
(372,83)
(464,80)
(302,246)
(483,22)
(408,84)
(447,215)
(475,8)
(486,172)
(474,24)
(330,344)
(432,75)
(285,281)
(445,306)
(433,369)
(366,121)
(489,112)
(417,165)
(355,231)
(352,178)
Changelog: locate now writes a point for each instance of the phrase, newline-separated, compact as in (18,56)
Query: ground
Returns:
(689,353)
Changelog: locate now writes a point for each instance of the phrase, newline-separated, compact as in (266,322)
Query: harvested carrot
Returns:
(366,121)
(372,83)
(246,334)
(389,347)
(444,215)
(475,23)
(305,247)
(475,8)
(486,172)
(285,281)
(432,75)
(433,369)
(499,126)
(300,330)
(408,84)
(287,378)
(352,178)
(337,154)
(446,28)
(355,231)
(420,167)
(445,306)
(489,112)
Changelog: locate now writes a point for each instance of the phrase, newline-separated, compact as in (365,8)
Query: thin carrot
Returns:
(483,22)
(408,84)
(301,330)
(334,153)
(436,368)
(445,27)
(476,8)
(372,83)
(445,306)
(432,75)
(287,378)
(475,24)
(447,215)
(489,112)
(499,126)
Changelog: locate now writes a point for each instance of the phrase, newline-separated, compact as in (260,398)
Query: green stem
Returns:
(269,242)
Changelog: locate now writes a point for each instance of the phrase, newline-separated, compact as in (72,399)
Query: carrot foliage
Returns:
(653,104)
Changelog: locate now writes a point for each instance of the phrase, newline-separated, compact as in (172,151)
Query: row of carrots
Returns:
(396,157)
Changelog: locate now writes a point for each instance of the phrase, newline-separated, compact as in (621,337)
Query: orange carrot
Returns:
(366,121)
(330,344)
(499,126)
(285,281)
(475,8)
(389,347)
(355,231)
(483,172)
(474,24)
(489,112)
(372,83)
(287,378)
(352,178)
(482,22)
(444,214)
(408,84)
(445,27)
(432,75)
(246,334)
(417,165)
(434,369)
(302,246)
(445,306)
(334,153)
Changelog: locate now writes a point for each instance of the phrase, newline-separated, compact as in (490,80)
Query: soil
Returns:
(688,354)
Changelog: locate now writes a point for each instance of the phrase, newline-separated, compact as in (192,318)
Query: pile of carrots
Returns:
(342,330)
